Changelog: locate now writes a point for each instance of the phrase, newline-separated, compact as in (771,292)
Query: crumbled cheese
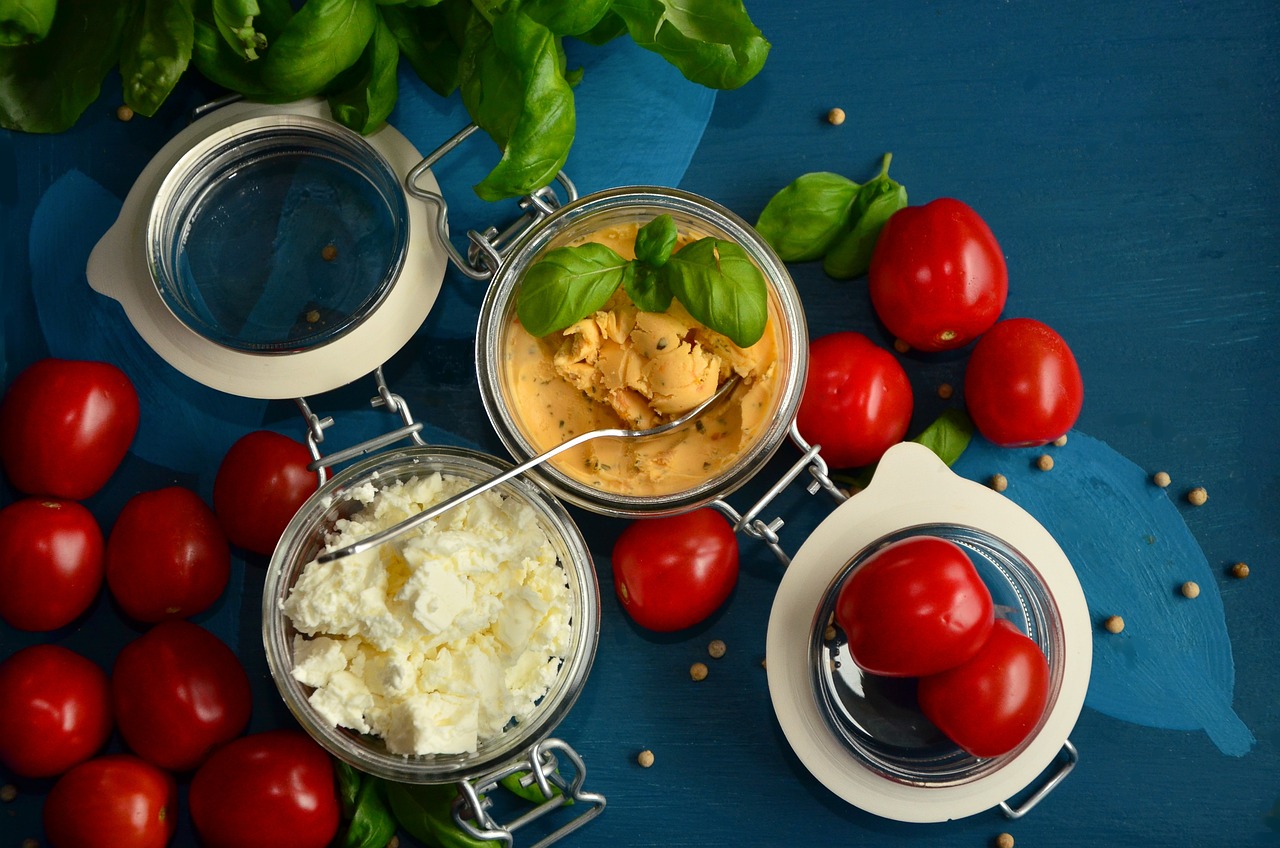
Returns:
(439,639)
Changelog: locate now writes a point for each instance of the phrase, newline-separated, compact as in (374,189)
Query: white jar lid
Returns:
(913,487)
(118,268)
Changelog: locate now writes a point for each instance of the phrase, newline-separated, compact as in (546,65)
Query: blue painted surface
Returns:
(1126,159)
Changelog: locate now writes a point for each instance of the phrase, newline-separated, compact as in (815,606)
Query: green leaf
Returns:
(948,435)
(425,812)
(610,27)
(371,824)
(531,792)
(429,40)
(850,255)
(235,22)
(514,88)
(217,62)
(567,285)
(25,21)
(155,52)
(45,87)
(567,18)
(364,95)
(323,39)
(348,785)
(802,220)
(646,288)
(711,42)
(721,287)
(656,240)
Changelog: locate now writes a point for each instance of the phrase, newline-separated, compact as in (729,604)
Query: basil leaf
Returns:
(656,240)
(363,95)
(234,20)
(25,21)
(425,812)
(567,285)
(514,88)
(45,87)
(948,435)
(610,27)
(803,219)
(371,824)
(850,255)
(567,18)
(646,288)
(429,40)
(155,52)
(721,287)
(711,42)
(348,785)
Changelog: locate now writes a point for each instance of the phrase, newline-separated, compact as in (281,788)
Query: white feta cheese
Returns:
(441,638)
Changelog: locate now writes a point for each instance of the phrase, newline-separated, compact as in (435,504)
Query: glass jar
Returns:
(304,539)
(694,217)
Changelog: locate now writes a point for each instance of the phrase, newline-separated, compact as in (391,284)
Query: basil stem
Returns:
(850,254)
(802,220)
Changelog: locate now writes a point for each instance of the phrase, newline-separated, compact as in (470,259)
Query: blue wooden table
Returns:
(1125,155)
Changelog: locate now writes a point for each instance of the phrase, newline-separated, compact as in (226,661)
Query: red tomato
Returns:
(266,790)
(991,703)
(914,607)
(178,693)
(116,801)
(65,426)
(261,483)
(166,556)
(857,400)
(50,562)
(1022,385)
(55,710)
(937,278)
(672,572)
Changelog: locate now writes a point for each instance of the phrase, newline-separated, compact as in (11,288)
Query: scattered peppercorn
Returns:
(836,116)
(1240,570)
(1190,589)
(329,252)
(698,671)
(1162,479)
(900,346)
(945,391)
(1114,624)
(764,663)
(30,843)
(124,113)
(1060,441)
(8,792)
(829,634)
(394,843)
(998,482)
(645,758)
(716,649)
(313,316)
(1004,840)
(1045,462)
(1197,496)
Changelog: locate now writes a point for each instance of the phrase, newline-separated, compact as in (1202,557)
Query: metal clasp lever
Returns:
(1073,757)
(471,809)
(767,531)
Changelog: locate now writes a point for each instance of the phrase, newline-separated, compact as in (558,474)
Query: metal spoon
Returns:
(447,504)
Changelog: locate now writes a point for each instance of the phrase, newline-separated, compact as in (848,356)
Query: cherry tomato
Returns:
(914,607)
(65,426)
(178,693)
(672,572)
(991,703)
(261,483)
(167,556)
(937,278)
(55,710)
(112,802)
(857,400)
(1022,385)
(50,562)
(266,790)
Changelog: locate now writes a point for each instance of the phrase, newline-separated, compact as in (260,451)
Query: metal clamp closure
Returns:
(767,531)
(1073,757)
(490,247)
(472,808)
(385,399)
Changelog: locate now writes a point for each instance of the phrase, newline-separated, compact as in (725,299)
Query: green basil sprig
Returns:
(826,216)
(367,818)
(948,437)
(714,279)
